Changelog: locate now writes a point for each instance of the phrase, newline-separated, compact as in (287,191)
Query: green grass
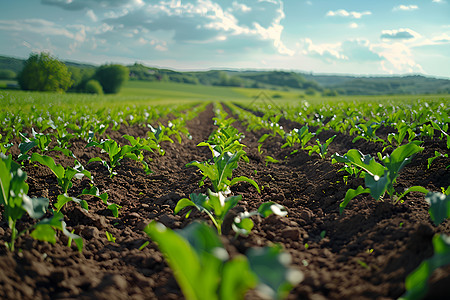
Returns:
(170,90)
(152,93)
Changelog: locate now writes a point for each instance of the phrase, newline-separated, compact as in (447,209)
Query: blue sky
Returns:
(349,37)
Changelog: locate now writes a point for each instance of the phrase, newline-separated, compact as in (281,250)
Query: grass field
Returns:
(142,92)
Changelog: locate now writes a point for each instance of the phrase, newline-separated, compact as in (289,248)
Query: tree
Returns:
(7,74)
(42,72)
(93,87)
(111,77)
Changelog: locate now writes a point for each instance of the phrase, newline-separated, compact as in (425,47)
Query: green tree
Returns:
(42,72)
(93,87)
(112,77)
(7,74)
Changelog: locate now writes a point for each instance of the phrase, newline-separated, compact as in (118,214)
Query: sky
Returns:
(384,37)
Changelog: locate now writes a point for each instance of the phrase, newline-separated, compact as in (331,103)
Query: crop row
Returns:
(204,270)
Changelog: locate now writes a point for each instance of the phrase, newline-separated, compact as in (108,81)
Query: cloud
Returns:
(36,26)
(405,7)
(91,15)
(397,58)
(400,34)
(347,14)
(439,1)
(353,25)
(205,21)
(352,50)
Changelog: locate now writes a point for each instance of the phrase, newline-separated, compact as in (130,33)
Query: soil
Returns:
(365,253)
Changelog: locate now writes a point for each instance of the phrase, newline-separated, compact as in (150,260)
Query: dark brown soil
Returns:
(366,253)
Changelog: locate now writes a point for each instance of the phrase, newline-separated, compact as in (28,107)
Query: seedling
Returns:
(221,171)
(13,196)
(380,178)
(416,283)
(321,149)
(204,270)
(116,153)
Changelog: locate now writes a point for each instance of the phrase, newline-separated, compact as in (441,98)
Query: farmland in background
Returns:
(364,249)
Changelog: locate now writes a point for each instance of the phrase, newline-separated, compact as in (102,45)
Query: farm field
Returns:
(297,156)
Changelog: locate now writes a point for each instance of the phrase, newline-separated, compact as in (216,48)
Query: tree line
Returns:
(43,72)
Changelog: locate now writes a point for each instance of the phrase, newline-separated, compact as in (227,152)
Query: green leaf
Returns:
(412,189)
(189,269)
(237,278)
(351,193)
(271,266)
(35,207)
(365,162)
(63,199)
(439,206)
(246,179)
(268,208)
(416,282)
(377,184)
(45,160)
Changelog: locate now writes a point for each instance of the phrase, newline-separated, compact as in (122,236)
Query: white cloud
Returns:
(405,7)
(398,58)
(37,26)
(353,25)
(241,7)
(400,34)
(439,1)
(327,51)
(91,15)
(348,14)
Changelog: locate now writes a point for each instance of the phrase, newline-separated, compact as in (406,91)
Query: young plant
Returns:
(321,149)
(204,270)
(13,196)
(215,205)
(93,191)
(436,155)
(379,178)
(298,136)
(5,145)
(116,153)
(39,139)
(220,172)
(368,132)
(439,206)
(416,282)
(64,177)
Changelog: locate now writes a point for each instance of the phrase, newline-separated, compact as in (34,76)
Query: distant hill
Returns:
(276,80)
(378,85)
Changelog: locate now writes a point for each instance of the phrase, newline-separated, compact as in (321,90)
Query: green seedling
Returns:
(321,149)
(402,130)
(368,132)
(116,153)
(64,177)
(436,155)
(221,171)
(93,191)
(443,129)
(416,282)
(5,145)
(110,237)
(380,178)
(439,206)
(39,139)
(13,196)
(298,136)
(204,270)
(215,205)
(270,159)
(243,224)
